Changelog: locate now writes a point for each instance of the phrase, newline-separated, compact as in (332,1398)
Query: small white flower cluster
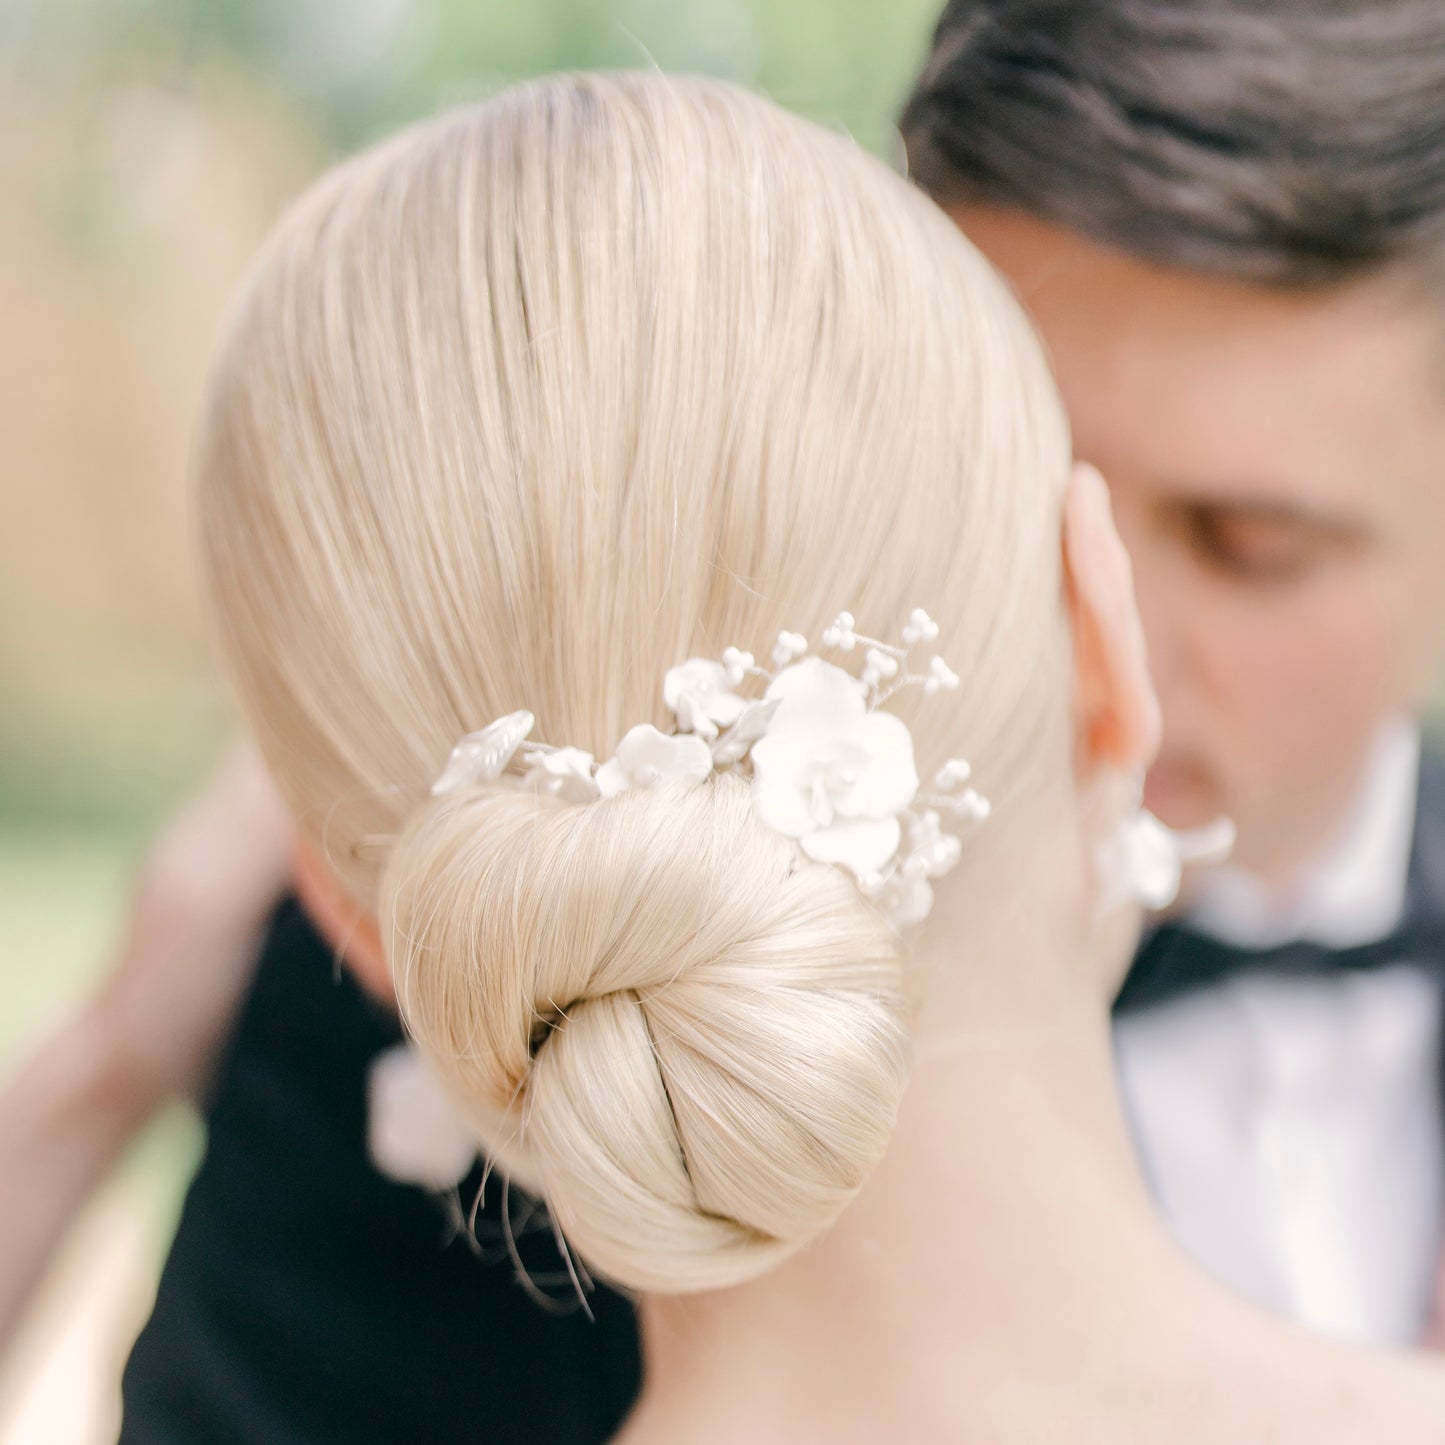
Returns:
(828,767)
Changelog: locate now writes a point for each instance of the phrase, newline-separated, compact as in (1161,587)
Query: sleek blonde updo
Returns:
(519,410)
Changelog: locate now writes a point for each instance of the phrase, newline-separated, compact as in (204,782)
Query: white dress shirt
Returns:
(1291,1127)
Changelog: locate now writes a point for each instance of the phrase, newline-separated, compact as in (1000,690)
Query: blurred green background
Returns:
(145,148)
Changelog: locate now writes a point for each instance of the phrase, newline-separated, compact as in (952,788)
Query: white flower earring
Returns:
(1143,861)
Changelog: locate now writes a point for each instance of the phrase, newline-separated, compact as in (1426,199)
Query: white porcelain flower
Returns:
(829,772)
(483,756)
(1144,860)
(413,1133)
(1150,861)
(698,692)
(646,757)
(564,773)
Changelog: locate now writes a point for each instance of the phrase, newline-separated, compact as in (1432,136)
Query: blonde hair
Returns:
(522,408)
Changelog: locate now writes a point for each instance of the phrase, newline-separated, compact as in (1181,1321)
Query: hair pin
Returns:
(828,767)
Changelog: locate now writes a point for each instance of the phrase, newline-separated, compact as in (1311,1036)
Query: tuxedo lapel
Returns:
(1427,858)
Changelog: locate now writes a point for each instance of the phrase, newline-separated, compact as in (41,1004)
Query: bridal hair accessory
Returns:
(828,768)
(1145,860)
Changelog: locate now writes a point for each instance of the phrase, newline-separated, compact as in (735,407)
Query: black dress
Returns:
(309,1299)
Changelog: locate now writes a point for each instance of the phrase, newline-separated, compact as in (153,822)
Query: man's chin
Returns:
(1181,796)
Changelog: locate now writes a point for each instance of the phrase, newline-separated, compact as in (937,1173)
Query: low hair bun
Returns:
(689,1041)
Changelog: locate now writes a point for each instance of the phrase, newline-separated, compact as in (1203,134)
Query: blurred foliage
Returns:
(365,64)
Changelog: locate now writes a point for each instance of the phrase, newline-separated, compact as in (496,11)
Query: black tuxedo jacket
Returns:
(307,1300)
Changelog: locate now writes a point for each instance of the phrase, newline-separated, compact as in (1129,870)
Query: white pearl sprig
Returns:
(885,667)
(790,646)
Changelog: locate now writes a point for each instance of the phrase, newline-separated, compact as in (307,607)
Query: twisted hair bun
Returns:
(687,1039)
(525,407)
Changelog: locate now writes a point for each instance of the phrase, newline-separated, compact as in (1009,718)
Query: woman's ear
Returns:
(1118,711)
(345,925)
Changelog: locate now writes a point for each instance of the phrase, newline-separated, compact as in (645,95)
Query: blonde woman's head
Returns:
(519,410)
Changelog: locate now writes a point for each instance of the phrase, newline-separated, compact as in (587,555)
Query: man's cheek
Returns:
(1311,701)
(1274,680)
(1417,620)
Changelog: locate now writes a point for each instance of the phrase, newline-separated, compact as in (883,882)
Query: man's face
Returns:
(1277,463)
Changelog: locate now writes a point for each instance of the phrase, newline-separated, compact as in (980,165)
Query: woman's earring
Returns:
(1144,861)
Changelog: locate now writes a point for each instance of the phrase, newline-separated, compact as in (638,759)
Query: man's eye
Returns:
(1252,550)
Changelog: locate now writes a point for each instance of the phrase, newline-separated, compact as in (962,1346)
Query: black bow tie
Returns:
(1174,959)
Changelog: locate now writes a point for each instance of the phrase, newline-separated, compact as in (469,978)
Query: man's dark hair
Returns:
(1293,142)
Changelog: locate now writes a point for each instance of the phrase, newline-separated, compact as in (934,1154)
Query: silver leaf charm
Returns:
(482,757)
(733,745)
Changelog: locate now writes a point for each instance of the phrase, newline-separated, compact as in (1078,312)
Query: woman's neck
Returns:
(1003,1276)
